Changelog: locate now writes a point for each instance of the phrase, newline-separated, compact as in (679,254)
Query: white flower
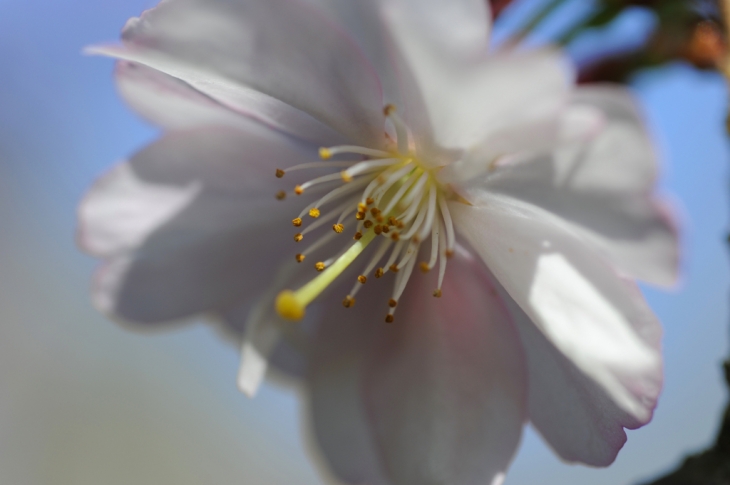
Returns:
(531,197)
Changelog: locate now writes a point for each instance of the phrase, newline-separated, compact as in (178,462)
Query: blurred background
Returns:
(85,401)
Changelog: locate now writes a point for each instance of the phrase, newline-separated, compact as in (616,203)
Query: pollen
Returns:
(361,207)
(357,236)
(389,318)
(369,201)
(362,279)
(298,237)
(314,213)
(379,273)
(386,229)
(425,267)
(338,228)
(437,293)
(297,222)
(280,195)
(392,303)
(375,211)
(325,153)
(378,229)
(368,224)
(346,177)
(300,258)
(298,190)
(360,216)
(279,173)
(348,301)
(394,268)
(320,266)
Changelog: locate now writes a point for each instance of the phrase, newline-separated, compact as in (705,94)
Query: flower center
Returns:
(388,196)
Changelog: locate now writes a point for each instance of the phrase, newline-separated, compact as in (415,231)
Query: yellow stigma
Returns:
(325,153)
(291,305)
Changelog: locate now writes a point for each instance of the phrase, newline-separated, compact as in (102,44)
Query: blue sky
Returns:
(61,124)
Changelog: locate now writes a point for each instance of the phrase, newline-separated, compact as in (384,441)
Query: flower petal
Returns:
(258,56)
(334,380)
(602,186)
(594,317)
(188,223)
(175,105)
(445,385)
(570,410)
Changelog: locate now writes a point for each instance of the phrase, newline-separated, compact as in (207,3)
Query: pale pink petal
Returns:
(189,223)
(571,411)
(445,385)
(581,305)
(603,186)
(258,56)
(339,423)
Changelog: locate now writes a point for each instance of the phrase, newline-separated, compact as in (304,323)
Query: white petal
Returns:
(602,187)
(445,384)
(339,422)
(189,223)
(468,98)
(261,335)
(595,317)
(256,56)
(570,410)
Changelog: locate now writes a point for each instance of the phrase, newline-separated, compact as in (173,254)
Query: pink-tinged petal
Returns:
(571,411)
(602,186)
(596,318)
(466,99)
(249,55)
(445,385)
(189,223)
(339,423)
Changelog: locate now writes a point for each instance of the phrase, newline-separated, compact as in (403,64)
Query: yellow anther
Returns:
(378,229)
(388,109)
(298,237)
(289,307)
(357,236)
(300,258)
(369,201)
(425,267)
(319,266)
(361,207)
(314,213)
(375,211)
(360,216)
(338,228)
(279,173)
(394,268)
(395,236)
(386,229)
(325,153)
(449,253)
(298,190)
(392,220)
(399,224)
(379,273)
(281,195)
(379,218)
(348,301)
(392,303)
(346,177)
(297,222)
(389,318)
(362,279)
(368,224)
(437,293)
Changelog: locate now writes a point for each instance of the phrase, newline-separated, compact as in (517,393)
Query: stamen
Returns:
(321,221)
(371,264)
(327,153)
(348,302)
(338,228)
(391,180)
(307,165)
(292,305)
(279,173)
(442,265)
(402,190)
(320,266)
(300,258)
(400,285)
(280,195)
(451,237)
(319,243)
(297,222)
(314,213)
(298,237)
(435,230)
(394,255)
(319,180)
(368,166)
(401,131)
(417,192)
